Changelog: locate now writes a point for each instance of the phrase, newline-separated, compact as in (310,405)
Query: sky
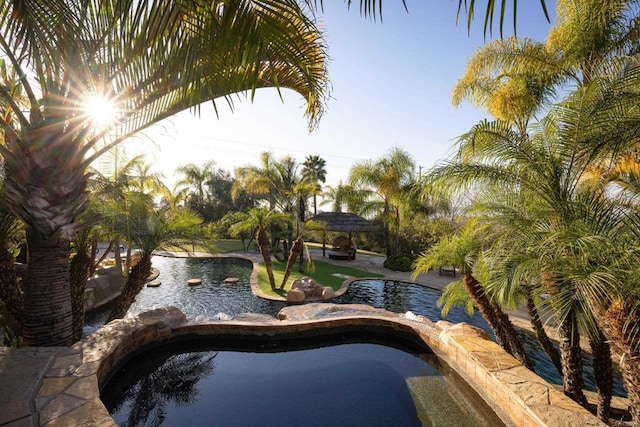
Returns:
(391,87)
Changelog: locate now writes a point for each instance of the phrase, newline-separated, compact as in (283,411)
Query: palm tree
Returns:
(271,181)
(257,221)
(195,178)
(513,68)
(315,170)
(390,179)
(460,251)
(278,182)
(65,51)
(296,252)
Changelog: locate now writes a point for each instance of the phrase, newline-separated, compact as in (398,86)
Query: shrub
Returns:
(402,262)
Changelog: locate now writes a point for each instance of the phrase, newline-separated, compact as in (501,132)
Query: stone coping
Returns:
(69,390)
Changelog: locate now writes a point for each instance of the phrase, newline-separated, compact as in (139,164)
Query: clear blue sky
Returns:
(392,84)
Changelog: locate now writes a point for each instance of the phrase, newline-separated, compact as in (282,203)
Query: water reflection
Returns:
(168,381)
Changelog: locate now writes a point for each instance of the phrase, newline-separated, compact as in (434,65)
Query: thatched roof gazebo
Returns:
(343,222)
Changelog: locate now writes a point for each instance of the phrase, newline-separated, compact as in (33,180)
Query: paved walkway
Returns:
(374,264)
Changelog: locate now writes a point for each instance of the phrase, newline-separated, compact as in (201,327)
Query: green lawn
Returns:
(323,275)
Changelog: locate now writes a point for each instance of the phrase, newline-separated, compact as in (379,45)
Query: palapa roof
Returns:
(344,222)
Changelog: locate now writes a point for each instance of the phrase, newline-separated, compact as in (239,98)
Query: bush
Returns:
(401,262)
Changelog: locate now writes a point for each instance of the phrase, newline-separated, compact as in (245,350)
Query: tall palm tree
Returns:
(195,178)
(390,179)
(135,54)
(315,170)
(264,181)
(278,182)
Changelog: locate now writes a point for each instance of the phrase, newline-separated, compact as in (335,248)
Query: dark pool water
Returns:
(214,297)
(210,298)
(340,385)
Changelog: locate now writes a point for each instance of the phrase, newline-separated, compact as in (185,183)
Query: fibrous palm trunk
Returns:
(614,324)
(296,251)
(542,336)
(263,243)
(498,321)
(602,371)
(571,356)
(47,294)
(10,292)
(132,287)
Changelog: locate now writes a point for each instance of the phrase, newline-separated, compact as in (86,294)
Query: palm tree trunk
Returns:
(263,243)
(132,287)
(80,268)
(498,321)
(515,344)
(486,310)
(614,323)
(571,356)
(397,230)
(387,241)
(603,372)
(541,334)
(296,251)
(47,293)
(10,292)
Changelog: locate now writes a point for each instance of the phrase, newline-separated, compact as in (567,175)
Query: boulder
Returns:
(295,296)
(231,280)
(327,293)
(309,286)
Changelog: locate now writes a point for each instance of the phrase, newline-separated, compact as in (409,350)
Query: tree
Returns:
(460,251)
(511,78)
(315,171)
(66,51)
(344,196)
(220,203)
(258,221)
(195,179)
(278,182)
(389,180)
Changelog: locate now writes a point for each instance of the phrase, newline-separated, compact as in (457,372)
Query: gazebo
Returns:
(344,222)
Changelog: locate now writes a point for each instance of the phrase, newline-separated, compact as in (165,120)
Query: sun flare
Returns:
(101,110)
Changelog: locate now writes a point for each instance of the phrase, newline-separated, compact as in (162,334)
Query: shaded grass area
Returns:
(217,246)
(323,274)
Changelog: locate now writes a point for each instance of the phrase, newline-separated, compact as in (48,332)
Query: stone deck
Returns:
(66,380)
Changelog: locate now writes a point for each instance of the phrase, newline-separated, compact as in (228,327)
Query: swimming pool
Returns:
(354,384)
(214,297)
